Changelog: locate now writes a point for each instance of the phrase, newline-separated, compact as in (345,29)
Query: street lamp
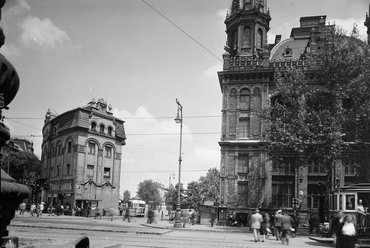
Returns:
(179,119)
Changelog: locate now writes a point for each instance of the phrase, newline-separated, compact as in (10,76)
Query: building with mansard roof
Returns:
(249,179)
(81,157)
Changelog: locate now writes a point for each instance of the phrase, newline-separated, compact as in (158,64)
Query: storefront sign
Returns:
(62,186)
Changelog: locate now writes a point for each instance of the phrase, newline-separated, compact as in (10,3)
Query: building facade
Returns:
(81,157)
(249,179)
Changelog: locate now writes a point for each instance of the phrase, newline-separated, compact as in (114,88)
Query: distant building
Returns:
(81,157)
(248,178)
(15,145)
(24,145)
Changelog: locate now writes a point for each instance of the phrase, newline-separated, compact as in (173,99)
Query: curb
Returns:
(322,240)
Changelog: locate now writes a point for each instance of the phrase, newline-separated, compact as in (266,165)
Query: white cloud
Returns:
(20,7)
(152,147)
(347,25)
(42,32)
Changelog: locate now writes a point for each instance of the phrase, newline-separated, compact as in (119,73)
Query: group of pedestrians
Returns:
(283,226)
(260,224)
(34,209)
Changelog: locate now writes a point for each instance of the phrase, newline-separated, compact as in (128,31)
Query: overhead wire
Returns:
(182,30)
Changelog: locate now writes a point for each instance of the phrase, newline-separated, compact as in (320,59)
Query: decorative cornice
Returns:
(91,181)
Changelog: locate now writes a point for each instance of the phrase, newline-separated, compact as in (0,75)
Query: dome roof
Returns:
(289,49)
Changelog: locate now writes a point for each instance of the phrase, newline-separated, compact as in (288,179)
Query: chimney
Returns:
(277,38)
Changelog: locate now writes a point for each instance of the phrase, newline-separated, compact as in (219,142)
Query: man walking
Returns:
(278,224)
(127,215)
(256,220)
(285,228)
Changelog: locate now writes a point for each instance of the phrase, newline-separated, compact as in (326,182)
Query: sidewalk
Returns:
(116,224)
(108,223)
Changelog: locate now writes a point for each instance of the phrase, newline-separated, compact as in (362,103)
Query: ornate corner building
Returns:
(81,157)
(248,178)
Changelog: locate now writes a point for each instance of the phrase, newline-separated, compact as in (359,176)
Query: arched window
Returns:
(247,34)
(101,128)
(108,151)
(110,129)
(245,99)
(93,126)
(91,148)
(259,39)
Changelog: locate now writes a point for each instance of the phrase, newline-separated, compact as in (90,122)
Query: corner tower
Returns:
(245,81)
(247,24)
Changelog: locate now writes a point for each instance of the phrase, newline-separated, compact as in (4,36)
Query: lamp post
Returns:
(179,119)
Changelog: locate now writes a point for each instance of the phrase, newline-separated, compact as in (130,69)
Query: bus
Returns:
(137,208)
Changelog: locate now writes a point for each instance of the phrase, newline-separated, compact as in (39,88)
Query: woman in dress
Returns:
(348,233)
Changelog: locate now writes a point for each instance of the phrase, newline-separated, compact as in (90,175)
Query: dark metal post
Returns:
(178,207)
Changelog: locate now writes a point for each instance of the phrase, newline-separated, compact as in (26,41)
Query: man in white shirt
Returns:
(361,213)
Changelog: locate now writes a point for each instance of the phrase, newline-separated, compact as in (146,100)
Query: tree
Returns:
(170,194)
(149,191)
(126,196)
(193,197)
(24,167)
(209,186)
(315,109)
(175,194)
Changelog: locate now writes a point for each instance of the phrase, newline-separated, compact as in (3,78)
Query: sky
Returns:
(139,56)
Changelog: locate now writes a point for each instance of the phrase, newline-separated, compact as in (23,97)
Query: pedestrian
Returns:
(286,226)
(150,216)
(38,210)
(335,228)
(185,218)
(361,213)
(127,215)
(264,226)
(255,223)
(42,207)
(50,210)
(348,233)
(191,216)
(98,213)
(278,224)
(22,208)
(33,209)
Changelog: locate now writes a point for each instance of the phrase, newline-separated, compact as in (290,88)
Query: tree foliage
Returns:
(126,196)
(149,191)
(193,197)
(316,108)
(172,196)
(24,167)
(207,188)
(321,112)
